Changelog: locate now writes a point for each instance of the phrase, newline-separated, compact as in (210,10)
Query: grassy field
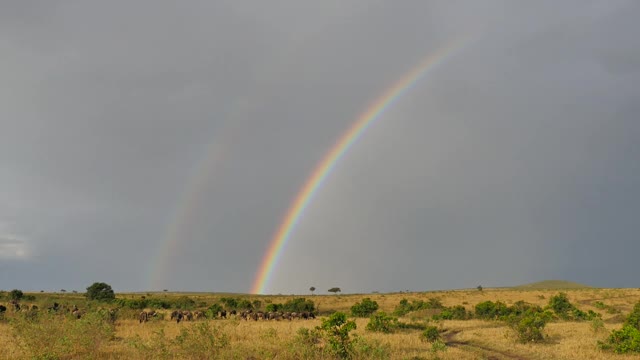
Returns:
(240,339)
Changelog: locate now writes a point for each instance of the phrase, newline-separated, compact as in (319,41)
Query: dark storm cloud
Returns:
(514,160)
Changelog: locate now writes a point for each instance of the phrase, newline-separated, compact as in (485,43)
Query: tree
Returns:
(100,291)
(16,294)
(63,290)
(479,288)
(334,290)
(312,289)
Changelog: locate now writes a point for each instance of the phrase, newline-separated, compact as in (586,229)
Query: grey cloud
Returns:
(514,160)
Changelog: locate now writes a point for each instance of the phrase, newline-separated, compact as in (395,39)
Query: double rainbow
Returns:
(328,163)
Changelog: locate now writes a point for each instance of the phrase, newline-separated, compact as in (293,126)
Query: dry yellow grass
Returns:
(471,339)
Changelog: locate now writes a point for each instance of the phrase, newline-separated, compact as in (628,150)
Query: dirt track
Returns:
(488,352)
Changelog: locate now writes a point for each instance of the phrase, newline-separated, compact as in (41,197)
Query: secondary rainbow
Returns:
(333,156)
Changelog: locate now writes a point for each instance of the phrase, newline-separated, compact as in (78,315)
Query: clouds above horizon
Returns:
(129,125)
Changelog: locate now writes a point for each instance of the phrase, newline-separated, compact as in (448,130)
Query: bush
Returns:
(212,311)
(381,322)
(15,294)
(184,302)
(529,326)
(457,312)
(561,305)
(489,310)
(430,334)
(404,307)
(364,308)
(273,307)
(100,291)
(336,331)
(623,341)
(230,303)
(298,305)
(633,319)
(565,310)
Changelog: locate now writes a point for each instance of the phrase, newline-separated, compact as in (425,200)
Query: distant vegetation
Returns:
(492,323)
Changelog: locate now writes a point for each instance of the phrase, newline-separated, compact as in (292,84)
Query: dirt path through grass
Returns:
(488,352)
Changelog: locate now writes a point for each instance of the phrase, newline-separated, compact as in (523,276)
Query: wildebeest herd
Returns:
(186,315)
(177,315)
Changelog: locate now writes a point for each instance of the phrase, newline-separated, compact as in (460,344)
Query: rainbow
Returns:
(333,156)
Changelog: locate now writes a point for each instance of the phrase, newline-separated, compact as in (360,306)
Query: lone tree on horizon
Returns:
(100,291)
(312,289)
(334,290)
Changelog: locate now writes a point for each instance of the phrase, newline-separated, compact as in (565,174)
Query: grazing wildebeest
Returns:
(143,317)
(307,315)
(111,315)
(3,308)
(187,315)
(55,307)
(222,314)
(198,315)
(16,305)
(174,314)
(77,313)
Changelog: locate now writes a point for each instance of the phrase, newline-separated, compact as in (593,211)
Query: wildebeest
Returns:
(55,307)
(77,313)
(3,308)
(198,315)
(110,315)
(222,314)
(145,316)
(175,314)
(186,315)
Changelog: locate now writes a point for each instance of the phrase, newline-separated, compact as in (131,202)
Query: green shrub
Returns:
(364,308)
(489,310)
(184,302)
(404,307)
(336,329)
(230,303)
(561,305)
(212,311)
(457,312)
(623,341)
(298,305)
(633,319)
(15,294)
(431,334)
(529,326)
(381,322)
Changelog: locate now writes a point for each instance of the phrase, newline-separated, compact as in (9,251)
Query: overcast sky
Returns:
(127,125)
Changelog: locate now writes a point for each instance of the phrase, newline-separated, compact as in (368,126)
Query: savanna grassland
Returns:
(45,334)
